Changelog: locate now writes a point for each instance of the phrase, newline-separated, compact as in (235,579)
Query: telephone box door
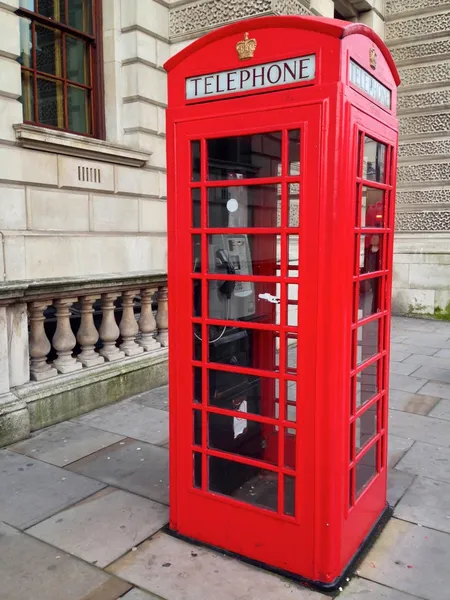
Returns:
(243,271)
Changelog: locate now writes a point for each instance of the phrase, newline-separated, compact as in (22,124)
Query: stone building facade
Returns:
(83,185)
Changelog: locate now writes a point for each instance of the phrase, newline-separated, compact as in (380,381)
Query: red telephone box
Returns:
(282,146)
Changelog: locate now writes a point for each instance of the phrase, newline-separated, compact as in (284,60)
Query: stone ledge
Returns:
(60,142)
(14,419)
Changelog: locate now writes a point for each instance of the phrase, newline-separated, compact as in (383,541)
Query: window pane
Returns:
(254,486)
(242,393)
(369,297)
(294,204)
(243,300)
(374,160)
(26,55)
(292,308)
(243,254)
(77,60)
(196,254)
(196,211)
(197,468)
(195,158)
(243,206)
(367,341)
(294,152)
(289,495)
(48,50)
(293,255)
(27,98)
(366,468)
(52,9)
(245,156)
(238,346)
(28,4)
(50,102)
(370,253)
(366,427)
(80,15)
(366,384)
(77,102)
(372,210)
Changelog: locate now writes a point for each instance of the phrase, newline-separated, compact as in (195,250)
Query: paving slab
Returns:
(104,527)
(427,460)
(408,350)
(399,355)
(132,420)
(31,491)
(432,340)
(413,403)
(411,559)
(362,589)
(406,383)
(434,373)
(136,594)
(427,502)
(397,448)
(434,388)
(398,483)
(177,570)
(427,361)
(32,570)
(417,427)
(402,368)
(442,411)
(444,353)
(66,442)
(134,466)
(157,398)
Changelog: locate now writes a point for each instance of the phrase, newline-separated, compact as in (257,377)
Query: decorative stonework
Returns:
(203,16)
(419,173)
(423,221)
(419,26)
(425,124)
(423,100)
(435,48)
(434,73)
(429,148)
(399,6)
(405,197)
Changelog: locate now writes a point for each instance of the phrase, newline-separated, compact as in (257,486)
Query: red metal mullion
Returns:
(249,416)
(365,450)
(369,362)
(362,409)
(367,320)
(204,292)
(371,275)
(373,184)
(241,370)
(242,230)
(244,460)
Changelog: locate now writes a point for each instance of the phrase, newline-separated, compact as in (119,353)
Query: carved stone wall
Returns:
(417,33)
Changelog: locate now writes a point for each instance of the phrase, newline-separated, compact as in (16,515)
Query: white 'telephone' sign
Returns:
(368,84)
(282,72)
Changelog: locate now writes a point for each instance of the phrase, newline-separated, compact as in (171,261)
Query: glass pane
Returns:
(26,56)
(294,152)
(50,102)
(28,4)
(366,427)
(367,338)
(240,254)
(374,160)
(197,427)
(289,447)
(370,253)
(294,204)
(243,300)
(197,297)
(197,385)
(291,401)
(27,97)
(254,486)
(80,15)
(369,297)
(245,156)
(243,393)
(78,106)
(195,161)
(291,352)
(196,211)
(48,50)
(196,254)
(243,206)
(366,384)
(52,9)
(237,346)
(293,255)
(289,495)
(372,210)
(77,63)
(197,349)
(197,468)
(292,308)
(366,468)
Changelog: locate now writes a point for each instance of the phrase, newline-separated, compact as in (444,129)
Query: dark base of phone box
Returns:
(327,588)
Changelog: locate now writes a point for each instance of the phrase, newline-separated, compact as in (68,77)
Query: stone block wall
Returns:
(417,33)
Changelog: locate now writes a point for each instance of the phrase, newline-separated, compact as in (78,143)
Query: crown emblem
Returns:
(373,58)
(246,48)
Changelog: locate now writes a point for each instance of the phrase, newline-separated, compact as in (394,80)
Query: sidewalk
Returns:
(82,503)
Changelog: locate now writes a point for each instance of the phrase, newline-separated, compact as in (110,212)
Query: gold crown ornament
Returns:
(246,48)
(373,58)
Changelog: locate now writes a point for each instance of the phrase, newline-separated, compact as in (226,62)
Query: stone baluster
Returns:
(39,344)
(64,340)
(87,335)
(128,325)
(109,331)
(162,320)
(147,323)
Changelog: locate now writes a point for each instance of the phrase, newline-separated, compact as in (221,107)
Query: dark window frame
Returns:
(96,72)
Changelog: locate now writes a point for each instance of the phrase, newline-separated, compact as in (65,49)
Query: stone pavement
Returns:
(82,503)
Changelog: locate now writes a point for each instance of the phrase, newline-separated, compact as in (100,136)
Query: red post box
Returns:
(282,150)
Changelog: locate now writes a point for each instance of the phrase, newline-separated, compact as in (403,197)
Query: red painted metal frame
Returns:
(330,523)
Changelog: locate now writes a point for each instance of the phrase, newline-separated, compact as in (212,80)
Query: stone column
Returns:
(147,323)
(64,340)
(128,326)
(18,345)
(39,343)
(87,335)
(162,320)
(109,331)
